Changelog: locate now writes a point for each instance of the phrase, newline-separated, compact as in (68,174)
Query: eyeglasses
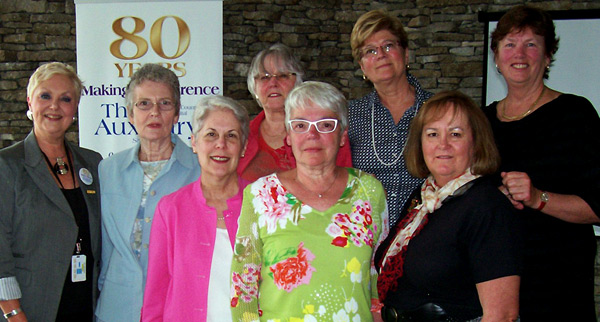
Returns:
(278,77)
(371,52)
(322,126)
(163,105)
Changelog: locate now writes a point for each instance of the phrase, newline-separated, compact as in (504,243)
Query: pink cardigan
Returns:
(181,249)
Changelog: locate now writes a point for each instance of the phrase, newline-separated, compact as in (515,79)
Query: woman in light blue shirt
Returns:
(132,183)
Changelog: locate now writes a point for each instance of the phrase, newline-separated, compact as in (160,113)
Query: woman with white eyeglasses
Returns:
(307,236)
(379,121)
(273,73)
(133,181)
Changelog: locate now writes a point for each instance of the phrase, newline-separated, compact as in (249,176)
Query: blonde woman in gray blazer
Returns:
(50,210)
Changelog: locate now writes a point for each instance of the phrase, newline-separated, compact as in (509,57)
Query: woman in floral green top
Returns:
(306,236)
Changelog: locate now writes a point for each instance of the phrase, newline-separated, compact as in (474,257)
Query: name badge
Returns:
(78,268)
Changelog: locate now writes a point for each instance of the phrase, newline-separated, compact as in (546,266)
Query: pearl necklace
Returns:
(373,136)
(520,116)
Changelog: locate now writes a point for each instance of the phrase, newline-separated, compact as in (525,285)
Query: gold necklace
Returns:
(518,117)
(324,191)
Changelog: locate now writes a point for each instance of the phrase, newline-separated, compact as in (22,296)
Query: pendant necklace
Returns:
(60,167)
(518,117)
(324,191)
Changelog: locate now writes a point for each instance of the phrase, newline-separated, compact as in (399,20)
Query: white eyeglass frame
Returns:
(313,123)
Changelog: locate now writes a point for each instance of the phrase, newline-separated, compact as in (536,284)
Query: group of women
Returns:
(452,212)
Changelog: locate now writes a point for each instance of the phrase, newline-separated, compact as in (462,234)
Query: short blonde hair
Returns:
(486,158)
(372,22)
(46,71)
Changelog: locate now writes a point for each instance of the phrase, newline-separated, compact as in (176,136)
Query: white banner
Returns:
(114,39)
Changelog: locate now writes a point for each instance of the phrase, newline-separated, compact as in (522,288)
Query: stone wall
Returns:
(446,42)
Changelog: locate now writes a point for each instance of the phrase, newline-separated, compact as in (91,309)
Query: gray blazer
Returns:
(37,228)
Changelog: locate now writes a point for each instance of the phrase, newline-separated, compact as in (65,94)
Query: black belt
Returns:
(429,312)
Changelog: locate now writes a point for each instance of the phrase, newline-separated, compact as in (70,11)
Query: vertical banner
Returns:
(115,38)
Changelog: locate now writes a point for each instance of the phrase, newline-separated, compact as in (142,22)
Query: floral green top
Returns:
(295,263)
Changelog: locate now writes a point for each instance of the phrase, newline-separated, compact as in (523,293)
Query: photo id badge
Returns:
(78,268)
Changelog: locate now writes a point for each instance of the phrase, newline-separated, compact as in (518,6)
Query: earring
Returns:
(364,77)
(74,118)
(407,66)
(548,68)
(498,70)
(243,155)
(29,114)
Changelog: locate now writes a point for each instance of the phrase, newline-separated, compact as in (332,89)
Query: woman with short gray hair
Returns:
(307,235)
(321,94)
(274,72)
(211,103)
(194,228)
(155,73)
(133,181)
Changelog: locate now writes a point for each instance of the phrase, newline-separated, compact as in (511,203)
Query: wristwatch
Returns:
(544,198)
(12,313)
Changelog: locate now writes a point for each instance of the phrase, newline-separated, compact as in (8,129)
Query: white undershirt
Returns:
(218,309)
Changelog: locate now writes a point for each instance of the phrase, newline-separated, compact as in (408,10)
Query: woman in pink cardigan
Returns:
(194,228)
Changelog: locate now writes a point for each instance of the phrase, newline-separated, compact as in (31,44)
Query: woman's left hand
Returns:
(517,186)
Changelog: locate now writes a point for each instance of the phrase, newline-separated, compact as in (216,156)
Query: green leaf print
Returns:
(272,258)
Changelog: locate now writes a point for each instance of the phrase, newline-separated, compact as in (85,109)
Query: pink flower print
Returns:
(272,204)
(245,285)
(356,241)
(342,218)
(293,271)
(334,230)
(356,227)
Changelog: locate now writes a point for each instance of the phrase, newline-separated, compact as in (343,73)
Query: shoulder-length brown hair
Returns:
(486,158)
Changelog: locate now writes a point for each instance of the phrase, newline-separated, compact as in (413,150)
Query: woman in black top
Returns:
(454,256)
(550,170)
